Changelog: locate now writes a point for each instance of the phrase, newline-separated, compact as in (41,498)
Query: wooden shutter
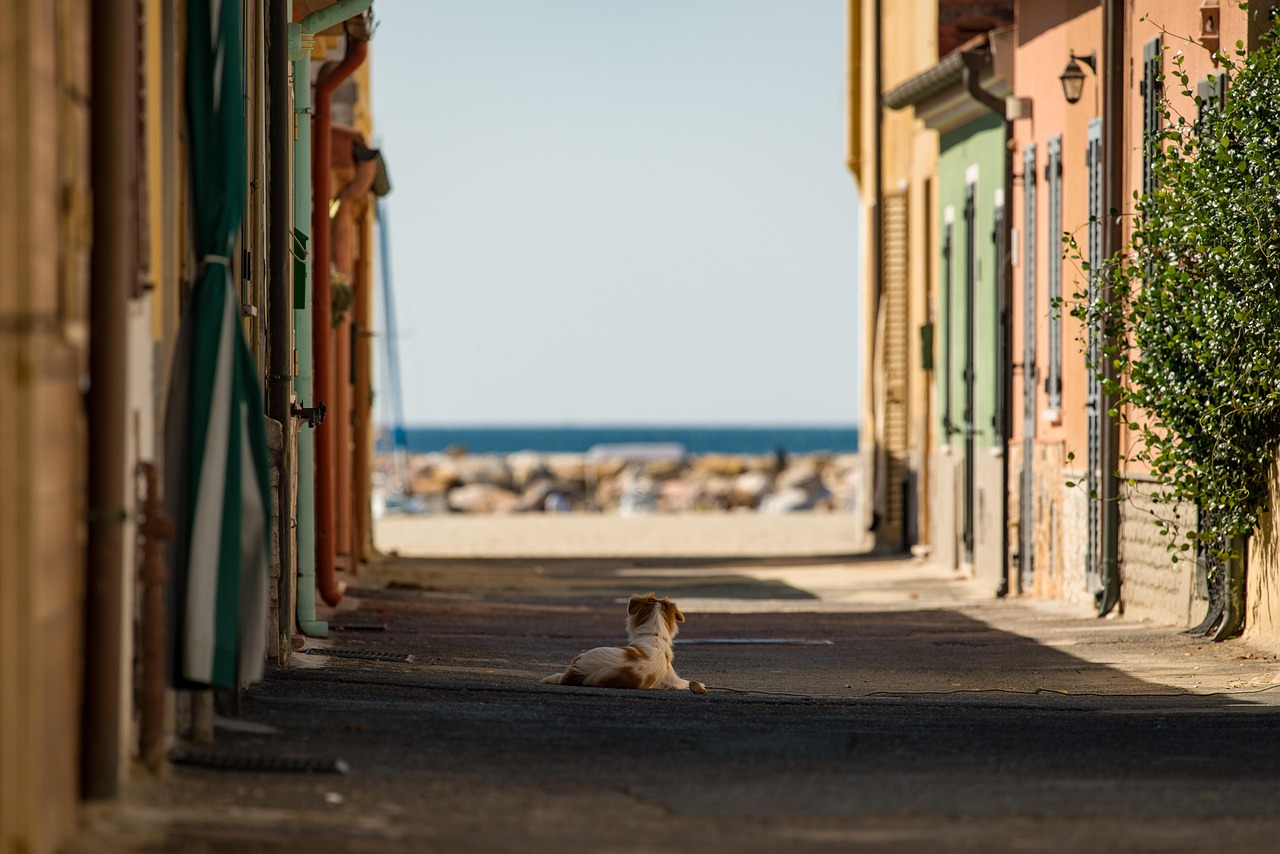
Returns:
(897,345)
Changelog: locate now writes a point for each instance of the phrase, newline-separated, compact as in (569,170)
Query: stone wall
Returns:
(1074,538)
(946,476)
(1153,586)
(1048,581)
(1262,584)
(988,529)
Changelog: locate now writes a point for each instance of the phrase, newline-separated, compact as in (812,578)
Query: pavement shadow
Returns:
(502,639)
(603,577)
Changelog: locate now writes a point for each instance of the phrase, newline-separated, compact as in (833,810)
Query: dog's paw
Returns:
(697,687)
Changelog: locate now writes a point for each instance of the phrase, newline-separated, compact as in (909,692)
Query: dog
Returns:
(645,663)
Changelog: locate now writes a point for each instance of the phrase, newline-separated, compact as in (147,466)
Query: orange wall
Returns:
(1046,34)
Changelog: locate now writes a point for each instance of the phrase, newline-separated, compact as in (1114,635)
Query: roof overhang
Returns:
(938,94)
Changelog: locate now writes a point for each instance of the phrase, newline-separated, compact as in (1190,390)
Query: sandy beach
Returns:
(592,535)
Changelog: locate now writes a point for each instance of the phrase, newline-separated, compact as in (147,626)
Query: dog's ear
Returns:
(675,611)
(637,602)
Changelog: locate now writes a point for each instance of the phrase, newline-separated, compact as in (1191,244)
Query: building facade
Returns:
(1028,483)
(97,269)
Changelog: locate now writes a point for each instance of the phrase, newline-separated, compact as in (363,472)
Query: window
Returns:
(1053,256)
(948,298)
(1151,89)
(1029,288)
(1094,400)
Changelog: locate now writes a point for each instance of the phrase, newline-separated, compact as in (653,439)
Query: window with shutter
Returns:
(1151,89)
(1093,400)
(1053,258)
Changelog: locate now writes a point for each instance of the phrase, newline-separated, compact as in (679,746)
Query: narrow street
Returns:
(853,704)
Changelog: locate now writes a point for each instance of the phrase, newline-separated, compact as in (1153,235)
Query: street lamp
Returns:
(1073,75)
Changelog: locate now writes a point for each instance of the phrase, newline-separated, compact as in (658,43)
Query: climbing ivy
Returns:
(1191,329)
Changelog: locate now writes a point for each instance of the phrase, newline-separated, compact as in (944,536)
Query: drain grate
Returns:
(361,655)
(258,762)
(787,641)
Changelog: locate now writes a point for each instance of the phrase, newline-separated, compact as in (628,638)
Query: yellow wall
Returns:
(908,158)
(43,281)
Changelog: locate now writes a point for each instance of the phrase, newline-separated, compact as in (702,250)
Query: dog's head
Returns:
(664,613)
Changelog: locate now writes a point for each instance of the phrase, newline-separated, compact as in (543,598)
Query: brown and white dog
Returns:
(645,663)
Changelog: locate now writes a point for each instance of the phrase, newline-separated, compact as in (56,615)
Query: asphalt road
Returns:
(871,707)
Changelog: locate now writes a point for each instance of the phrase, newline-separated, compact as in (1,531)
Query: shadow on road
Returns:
(917,727)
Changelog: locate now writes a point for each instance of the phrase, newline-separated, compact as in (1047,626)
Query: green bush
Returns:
(1191,330)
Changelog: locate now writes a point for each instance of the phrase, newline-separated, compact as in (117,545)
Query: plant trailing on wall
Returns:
(341,295)
(1192,329)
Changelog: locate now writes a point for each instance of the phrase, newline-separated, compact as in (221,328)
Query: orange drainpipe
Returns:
(326,575)
(342,433)
(362,415)
(353,199)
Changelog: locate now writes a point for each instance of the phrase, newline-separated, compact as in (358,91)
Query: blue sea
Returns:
(696,440)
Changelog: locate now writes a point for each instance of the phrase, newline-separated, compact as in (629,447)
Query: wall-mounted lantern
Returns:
(1209,24)
(1073,75)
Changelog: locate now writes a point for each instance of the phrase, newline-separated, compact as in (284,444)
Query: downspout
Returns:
(879,463)
(322,19)
(362,417)
(1233,593)
(301,39)
(114,271)
(1113,152)
(300,54)
(973,62)
(154,530)
(321,313)
(280,297)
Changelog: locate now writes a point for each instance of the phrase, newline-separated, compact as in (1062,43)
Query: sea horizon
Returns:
(579,438)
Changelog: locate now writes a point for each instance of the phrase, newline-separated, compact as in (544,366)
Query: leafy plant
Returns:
(1191,331)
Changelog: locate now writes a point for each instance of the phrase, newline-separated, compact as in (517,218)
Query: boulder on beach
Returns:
(489,468)
(724,465)
(482,498)
(788,500)
(526,467)
(532,482)
(749,488)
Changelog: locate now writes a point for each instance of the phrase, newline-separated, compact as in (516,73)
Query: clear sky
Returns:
(620,211)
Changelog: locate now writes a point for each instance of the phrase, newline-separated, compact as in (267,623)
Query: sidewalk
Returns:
(427,689)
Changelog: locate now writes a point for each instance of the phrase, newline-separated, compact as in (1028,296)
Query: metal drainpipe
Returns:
(1233,594)
(878,471)
(321,314)
(280,297)
(300,54)
(114,271)
(973,61)
(1113,154)
(301,36)
(155,530)
(362,343)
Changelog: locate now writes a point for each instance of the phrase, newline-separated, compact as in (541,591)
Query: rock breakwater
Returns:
(532,482)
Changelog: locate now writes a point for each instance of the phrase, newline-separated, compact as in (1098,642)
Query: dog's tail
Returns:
(553,679)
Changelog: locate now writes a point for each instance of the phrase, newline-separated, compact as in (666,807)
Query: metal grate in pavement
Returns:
(259,762)
(360,654)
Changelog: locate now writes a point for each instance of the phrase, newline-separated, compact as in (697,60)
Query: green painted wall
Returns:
(974,149)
